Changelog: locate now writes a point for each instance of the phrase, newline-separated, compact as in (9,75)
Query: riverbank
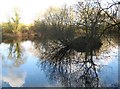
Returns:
(23,35)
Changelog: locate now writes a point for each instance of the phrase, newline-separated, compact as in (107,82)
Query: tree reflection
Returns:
(67,66)
(15,54)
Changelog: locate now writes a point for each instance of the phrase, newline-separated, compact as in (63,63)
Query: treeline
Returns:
(87,18)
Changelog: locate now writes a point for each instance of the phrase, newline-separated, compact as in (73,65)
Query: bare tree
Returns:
(93,19)
(14,21)
(59,23)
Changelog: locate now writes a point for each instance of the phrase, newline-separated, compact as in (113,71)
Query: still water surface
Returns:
(24,65)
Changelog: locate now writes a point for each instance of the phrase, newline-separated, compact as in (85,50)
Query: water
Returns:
(29,64)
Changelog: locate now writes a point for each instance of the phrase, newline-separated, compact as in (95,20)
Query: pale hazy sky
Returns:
(29,9)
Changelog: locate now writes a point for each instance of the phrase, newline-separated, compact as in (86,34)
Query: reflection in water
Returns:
(14,80)
(15,54)
(62,65)
(71,73)
(14,59)
(0,71)
(73,69)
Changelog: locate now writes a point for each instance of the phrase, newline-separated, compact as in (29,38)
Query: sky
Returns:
(29,9)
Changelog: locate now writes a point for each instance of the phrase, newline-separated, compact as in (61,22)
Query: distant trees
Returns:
(93,19)
(58,22)
(15,20)
(87,18)
(13,24)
